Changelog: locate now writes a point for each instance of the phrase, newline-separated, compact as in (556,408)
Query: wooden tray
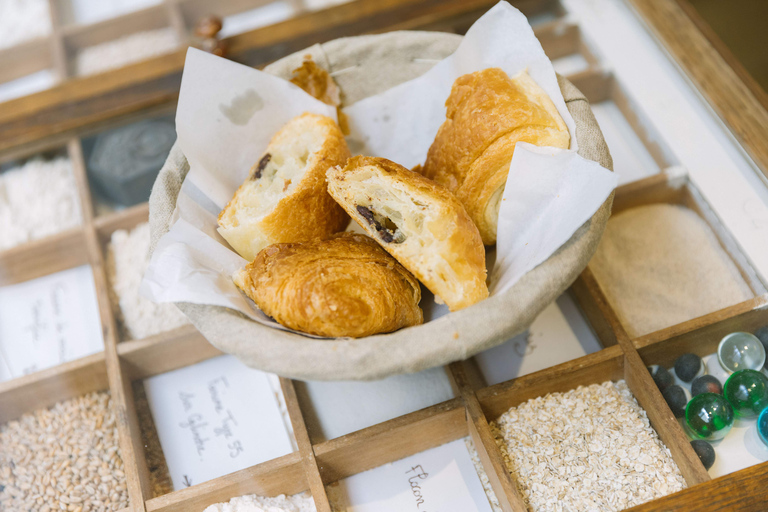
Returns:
(60,117)
(673,187)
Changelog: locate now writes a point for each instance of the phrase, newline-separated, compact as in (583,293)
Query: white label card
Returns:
(214,418)
(48,321)
(441,479)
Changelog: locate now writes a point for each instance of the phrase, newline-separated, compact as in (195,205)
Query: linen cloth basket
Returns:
(364,66)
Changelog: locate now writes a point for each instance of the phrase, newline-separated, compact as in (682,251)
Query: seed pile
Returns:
(37,199)
(125,50)
(63,458)
(592,448)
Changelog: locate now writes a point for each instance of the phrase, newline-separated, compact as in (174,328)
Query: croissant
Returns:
(487,113)
(284,198)
(346,285)
(418,222)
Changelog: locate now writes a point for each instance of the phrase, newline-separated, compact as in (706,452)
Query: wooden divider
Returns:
(502,484)
(136,91)
(315,481)
(129,433)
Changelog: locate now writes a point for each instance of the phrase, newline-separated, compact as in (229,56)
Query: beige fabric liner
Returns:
(364,66)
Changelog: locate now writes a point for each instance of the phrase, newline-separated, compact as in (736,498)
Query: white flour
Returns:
(23,20)
(125,50)
(252,503)
(37,199)
(127,259)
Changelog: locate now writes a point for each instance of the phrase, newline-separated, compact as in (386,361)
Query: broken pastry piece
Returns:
(487,113)
(285,198)
(418,222)
(319,84)
(346,285)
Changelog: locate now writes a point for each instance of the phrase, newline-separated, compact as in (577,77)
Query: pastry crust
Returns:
(486,114)
(285,198)
(418,222)
(346,285)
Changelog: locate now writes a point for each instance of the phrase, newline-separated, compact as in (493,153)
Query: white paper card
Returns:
(214,418)
(440,479)
(48,321)
(227,114)
(549,341)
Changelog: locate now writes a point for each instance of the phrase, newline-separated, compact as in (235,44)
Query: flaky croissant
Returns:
(346,285)
(418,222)
(487,113)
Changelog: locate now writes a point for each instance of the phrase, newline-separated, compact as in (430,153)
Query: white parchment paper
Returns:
(227,114)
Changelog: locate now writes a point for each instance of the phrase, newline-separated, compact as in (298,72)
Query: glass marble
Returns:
(741,351)
(747,392)
(762,426)
(708,416)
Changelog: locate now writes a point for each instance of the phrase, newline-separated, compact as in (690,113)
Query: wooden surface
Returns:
(501,481)
(721,86)
(83,106)
(728,56)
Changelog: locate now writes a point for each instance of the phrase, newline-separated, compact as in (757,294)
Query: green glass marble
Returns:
(747,392)
(708,416)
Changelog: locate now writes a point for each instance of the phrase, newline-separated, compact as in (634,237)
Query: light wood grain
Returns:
(662,420)
(742,491)
(311,471)
(43,257)
(129,433)
(488,452)
(657,189)
(165,352)
(284,475)
(26,58)
(81,103)
(721,86)
(391,440)
(702,335)
(46,387)
(607,364)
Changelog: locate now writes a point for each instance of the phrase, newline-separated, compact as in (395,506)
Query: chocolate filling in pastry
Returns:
(386,229)
(262,164)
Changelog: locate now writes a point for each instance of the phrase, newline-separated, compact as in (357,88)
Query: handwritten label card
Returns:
(48,321)
(214,418)
(549,341)
(442,479)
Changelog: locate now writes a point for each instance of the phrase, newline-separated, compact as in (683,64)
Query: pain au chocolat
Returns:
(346,285)
(285,198)
(418,222)
(487,113)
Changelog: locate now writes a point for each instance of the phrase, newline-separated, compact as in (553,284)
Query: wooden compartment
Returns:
(80,12)
(91,104)
(672,187)
(25,59)
(637,149)
(559,334)
(80,39)
(741,447)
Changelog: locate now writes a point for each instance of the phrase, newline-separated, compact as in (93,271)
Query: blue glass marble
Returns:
(762,426)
